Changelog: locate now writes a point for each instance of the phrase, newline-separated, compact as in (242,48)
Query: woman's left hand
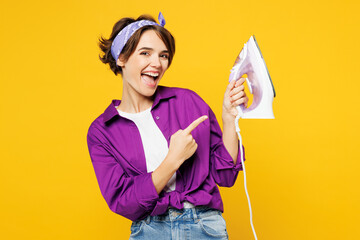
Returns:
(234,96)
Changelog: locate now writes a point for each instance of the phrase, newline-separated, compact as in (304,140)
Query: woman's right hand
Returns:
(182,144)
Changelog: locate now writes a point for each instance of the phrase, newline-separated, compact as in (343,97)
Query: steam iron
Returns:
(251,62)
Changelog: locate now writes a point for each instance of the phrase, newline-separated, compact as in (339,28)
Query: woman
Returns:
(159,153)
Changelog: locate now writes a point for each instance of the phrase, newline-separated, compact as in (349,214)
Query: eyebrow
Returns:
(151,49)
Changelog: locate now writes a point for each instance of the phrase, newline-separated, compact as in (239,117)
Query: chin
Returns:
(149,92)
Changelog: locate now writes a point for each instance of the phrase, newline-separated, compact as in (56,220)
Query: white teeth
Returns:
(151,74)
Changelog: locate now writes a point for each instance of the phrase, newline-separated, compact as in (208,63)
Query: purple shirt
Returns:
(118,157)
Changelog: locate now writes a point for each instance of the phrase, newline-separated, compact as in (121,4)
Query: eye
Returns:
(166,56)
(145,53)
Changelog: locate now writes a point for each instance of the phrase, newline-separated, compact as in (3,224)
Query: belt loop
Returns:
(170,214)
(148,219)
(194,210)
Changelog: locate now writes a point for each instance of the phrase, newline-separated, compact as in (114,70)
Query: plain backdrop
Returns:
(303,166)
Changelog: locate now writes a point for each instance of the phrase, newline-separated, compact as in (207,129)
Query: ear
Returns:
(120,62)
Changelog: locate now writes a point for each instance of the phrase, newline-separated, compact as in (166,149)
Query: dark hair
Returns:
(130,46)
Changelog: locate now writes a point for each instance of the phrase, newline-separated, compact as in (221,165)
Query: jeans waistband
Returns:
(185,214)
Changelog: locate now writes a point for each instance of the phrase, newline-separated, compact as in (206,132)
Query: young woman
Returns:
(159,153)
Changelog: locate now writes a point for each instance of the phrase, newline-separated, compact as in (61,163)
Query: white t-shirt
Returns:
(154,142)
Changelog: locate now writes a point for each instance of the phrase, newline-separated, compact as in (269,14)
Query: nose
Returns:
(155,61)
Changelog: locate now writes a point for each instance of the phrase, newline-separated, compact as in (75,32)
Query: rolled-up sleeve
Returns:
(222,166)
(133,197)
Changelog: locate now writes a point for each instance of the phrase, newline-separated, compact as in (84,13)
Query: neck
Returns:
(134,102)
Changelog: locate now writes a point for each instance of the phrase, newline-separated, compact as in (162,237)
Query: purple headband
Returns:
(124,35)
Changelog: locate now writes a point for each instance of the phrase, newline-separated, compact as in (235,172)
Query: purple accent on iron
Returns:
(124,35)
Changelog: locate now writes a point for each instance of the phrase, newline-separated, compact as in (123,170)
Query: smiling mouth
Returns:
(155,76)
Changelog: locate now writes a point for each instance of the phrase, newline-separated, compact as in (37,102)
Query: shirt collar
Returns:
(161,93)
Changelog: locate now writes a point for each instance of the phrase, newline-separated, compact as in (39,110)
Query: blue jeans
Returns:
(190,223)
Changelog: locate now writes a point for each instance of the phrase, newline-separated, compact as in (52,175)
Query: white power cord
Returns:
(240,113)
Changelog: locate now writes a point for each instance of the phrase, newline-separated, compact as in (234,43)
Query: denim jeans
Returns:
(189,223)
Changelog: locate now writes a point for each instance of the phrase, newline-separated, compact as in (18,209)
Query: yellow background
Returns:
(302,167)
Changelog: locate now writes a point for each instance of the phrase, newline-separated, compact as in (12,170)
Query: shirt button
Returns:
(157,117)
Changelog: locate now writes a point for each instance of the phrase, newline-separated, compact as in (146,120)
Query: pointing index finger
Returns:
(195,123)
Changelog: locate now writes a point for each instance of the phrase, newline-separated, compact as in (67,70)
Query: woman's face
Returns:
(145,67)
